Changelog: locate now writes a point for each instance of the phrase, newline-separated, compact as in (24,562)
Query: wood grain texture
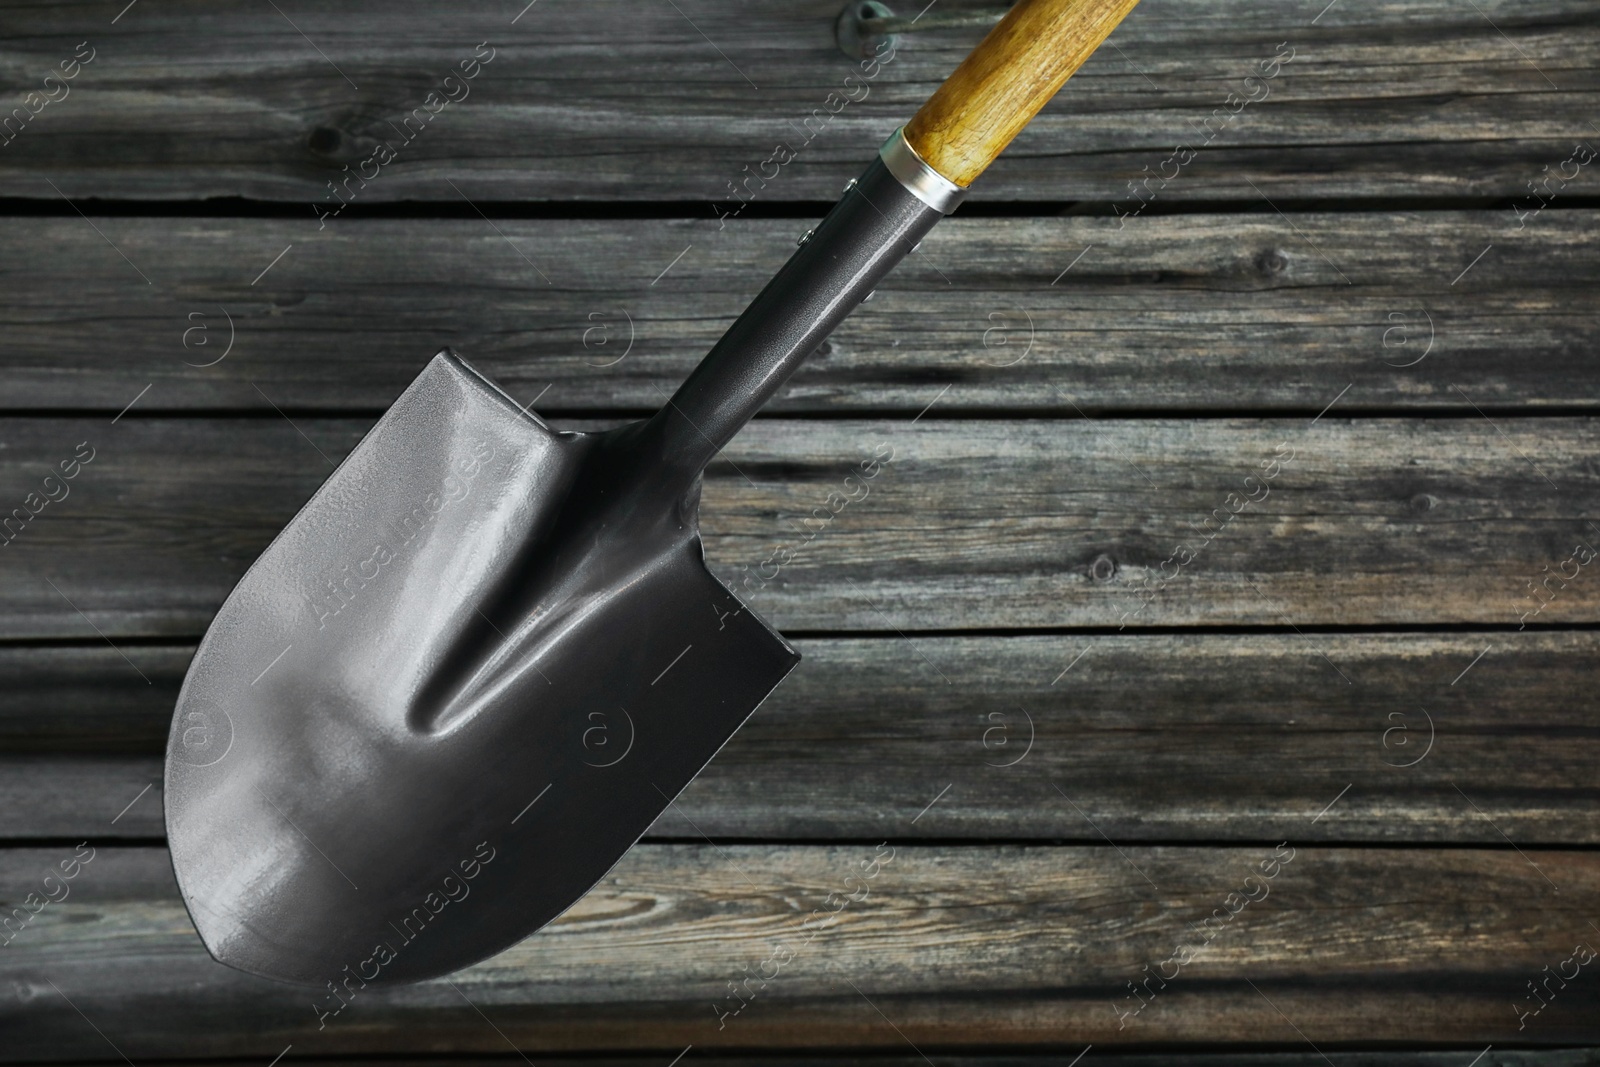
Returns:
(89,700)
(1534,1057)
(1013,72)
(618,100)
(972,525)
(1039,315)
(998,945)
(1152,737)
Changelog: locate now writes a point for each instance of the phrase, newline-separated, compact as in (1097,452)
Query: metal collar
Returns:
(921,180)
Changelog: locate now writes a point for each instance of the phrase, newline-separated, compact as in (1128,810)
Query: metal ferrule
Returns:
(921,180)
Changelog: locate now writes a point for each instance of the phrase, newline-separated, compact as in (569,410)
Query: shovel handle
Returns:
(1004,82)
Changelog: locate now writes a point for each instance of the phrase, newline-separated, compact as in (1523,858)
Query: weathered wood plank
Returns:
(1181,314)
(954,946)
(88,700)
(969,525)
(1151,736)
(611,100)
(1555,1057)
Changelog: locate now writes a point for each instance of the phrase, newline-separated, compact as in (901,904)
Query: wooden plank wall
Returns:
(1378,278)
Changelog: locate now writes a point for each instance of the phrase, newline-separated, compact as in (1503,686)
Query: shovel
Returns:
(487,655)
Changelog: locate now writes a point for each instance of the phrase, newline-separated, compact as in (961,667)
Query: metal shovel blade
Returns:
(450,695)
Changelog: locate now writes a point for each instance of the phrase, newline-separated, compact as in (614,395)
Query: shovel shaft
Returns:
(875,225)
(920,175)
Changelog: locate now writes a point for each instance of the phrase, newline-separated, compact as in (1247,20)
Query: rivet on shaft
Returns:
(805,237)
(869,296)
(849,185)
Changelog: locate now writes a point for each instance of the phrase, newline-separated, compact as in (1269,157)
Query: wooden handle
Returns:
(1006,80)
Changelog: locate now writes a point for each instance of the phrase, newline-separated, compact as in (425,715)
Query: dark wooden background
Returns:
(1341,271)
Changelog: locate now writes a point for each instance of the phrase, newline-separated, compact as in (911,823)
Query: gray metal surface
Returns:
(484,657)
